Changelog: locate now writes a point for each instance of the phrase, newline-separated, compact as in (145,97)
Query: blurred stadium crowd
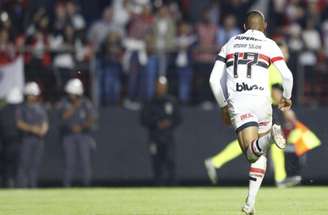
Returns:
(120,53)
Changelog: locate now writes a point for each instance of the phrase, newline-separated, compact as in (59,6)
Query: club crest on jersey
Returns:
(245,87)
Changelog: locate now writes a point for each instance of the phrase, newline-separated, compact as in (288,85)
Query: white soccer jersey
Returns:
(241,67)
(240,78)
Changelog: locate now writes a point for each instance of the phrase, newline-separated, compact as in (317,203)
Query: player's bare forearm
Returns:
(225,115)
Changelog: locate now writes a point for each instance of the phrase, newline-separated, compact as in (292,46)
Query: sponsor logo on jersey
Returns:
(246,38)
(245,87)
(246,116)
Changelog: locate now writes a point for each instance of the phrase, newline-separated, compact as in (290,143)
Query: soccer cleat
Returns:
(290,182)
(211,171)
(248,210)
(278,136)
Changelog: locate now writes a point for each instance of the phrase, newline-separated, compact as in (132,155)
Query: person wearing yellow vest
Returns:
(298,134)
(232,150)
(300,140)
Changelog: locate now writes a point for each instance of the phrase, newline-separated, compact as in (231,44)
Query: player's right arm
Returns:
(217,78)
(218,83)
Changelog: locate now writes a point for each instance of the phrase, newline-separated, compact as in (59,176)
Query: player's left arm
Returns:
(286,74)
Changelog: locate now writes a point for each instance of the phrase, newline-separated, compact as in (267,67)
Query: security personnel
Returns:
(161,116)
(9,137)
(32,121)
(78,116)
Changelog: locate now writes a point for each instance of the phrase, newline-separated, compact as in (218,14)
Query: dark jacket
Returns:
(8,122)
(157,110)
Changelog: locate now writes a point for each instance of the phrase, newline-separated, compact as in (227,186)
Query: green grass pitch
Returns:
(162,201)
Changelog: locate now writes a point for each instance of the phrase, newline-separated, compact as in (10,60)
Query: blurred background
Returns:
(119,50)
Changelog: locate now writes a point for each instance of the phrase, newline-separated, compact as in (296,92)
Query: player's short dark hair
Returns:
(254,13)
(254,19)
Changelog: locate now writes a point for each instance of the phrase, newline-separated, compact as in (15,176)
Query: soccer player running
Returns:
(232,150)
(239,81)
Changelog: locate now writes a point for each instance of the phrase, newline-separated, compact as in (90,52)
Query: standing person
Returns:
(161,116)
(183,63)
(32,121)
(204,53)
(301,140)
(110,64)
(9,137)
(239,81)
(78,117)
(165,30)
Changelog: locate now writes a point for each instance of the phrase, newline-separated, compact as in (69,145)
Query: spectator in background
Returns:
(100,29)
(111,69)
(78,116)
(160,117)
(309,57)
(16,11)
(37,50)
(60,19)
(324,28)
(311,37)
(32,121)
(136,54)
(164,30)
(237,8)
(214,11)
(74,17)
(295,41)
(149,71)
(10,138)
(122,13)
(228,30)
(6,23)
(295,12)
(276,14)
(313,13)
(185,41)
(68,49)
(7,47)
(205,52)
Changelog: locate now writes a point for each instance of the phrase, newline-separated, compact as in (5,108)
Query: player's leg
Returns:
(254,147)
(256,174)
(230,152)
(253,144)
(252,118)
(278,159)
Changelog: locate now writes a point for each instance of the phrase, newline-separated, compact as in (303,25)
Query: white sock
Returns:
(256,175)
(258,147)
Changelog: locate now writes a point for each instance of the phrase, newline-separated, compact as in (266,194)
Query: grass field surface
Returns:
(162,201)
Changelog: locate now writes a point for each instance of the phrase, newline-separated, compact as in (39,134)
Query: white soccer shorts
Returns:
(248,111)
